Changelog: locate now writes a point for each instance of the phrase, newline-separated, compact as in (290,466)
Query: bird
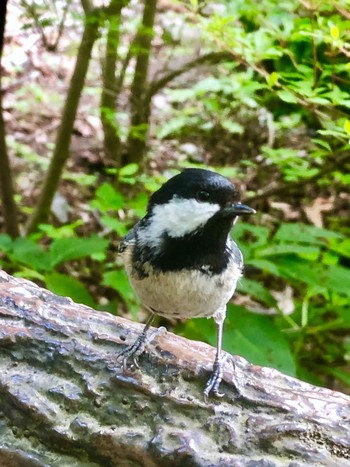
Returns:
(180,258)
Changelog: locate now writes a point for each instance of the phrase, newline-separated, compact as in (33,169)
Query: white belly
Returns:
(186,294)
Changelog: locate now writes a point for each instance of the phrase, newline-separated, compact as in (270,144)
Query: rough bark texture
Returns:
(65,401)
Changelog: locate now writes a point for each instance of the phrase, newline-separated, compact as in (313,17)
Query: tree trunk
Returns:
(110,88)
(6,186)
(61,151)
(136,143)
(66,401)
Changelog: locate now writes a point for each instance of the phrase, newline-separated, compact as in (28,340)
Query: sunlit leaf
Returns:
(66,249)
(334,31)
(273,79)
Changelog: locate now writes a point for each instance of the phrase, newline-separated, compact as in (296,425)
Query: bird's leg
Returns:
(138,347)
(216,377)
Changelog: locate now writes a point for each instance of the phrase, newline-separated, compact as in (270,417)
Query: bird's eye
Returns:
(203,195)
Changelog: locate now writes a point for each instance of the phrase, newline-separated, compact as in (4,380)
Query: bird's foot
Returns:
(213,384)
(135,350)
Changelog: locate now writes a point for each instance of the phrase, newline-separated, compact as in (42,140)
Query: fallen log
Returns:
(65,400)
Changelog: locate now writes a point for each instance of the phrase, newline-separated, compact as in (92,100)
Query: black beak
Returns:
(241,209)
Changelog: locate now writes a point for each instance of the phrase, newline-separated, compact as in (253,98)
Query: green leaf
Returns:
(257,338)
(30,274)
(5,243)
(334,31)
(264,265)
(67,230)
(257,235)
(272,79)
(303,233)
(232,127)
(257,290)
(82,179)
(180,95)
(299,270)
(323,144)
(287,96)
(114,224)
(332,278)
(139,203)
(347,126)
(319,100)
(337,279)
(68,286)
(128,170)
(172,127)
(341,247)
(106,198)
(66,249)
(119,281)
(210,84)
(26,251)
(311,252)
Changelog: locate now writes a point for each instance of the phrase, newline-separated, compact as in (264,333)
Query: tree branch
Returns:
(60,28)
(65,399)
(211,58)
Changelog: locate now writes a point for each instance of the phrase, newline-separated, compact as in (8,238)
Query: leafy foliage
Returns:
(27,258)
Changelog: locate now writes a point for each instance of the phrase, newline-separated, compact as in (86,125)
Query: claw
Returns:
(134,351)
(213,384)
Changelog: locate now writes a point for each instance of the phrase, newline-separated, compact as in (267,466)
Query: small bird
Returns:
(180,258)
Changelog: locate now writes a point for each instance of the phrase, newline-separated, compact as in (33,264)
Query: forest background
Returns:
(102,101)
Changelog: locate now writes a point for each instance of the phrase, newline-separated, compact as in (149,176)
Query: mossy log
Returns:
(66,401)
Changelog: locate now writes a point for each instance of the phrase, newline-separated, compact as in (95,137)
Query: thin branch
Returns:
(211,58)
(32,11)
(123,68)
(61,25)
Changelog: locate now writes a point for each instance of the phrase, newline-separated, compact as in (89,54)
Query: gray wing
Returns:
(236,254)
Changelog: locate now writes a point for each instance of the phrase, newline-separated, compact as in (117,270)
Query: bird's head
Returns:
(191,200)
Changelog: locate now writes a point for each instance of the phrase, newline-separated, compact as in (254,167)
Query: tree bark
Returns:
(6,186)
(110,85)
(139,109)
(66,401)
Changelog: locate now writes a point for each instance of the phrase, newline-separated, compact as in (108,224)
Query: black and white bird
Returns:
(180,258)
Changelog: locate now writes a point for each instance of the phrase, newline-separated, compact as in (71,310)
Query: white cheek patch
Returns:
(177,218)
